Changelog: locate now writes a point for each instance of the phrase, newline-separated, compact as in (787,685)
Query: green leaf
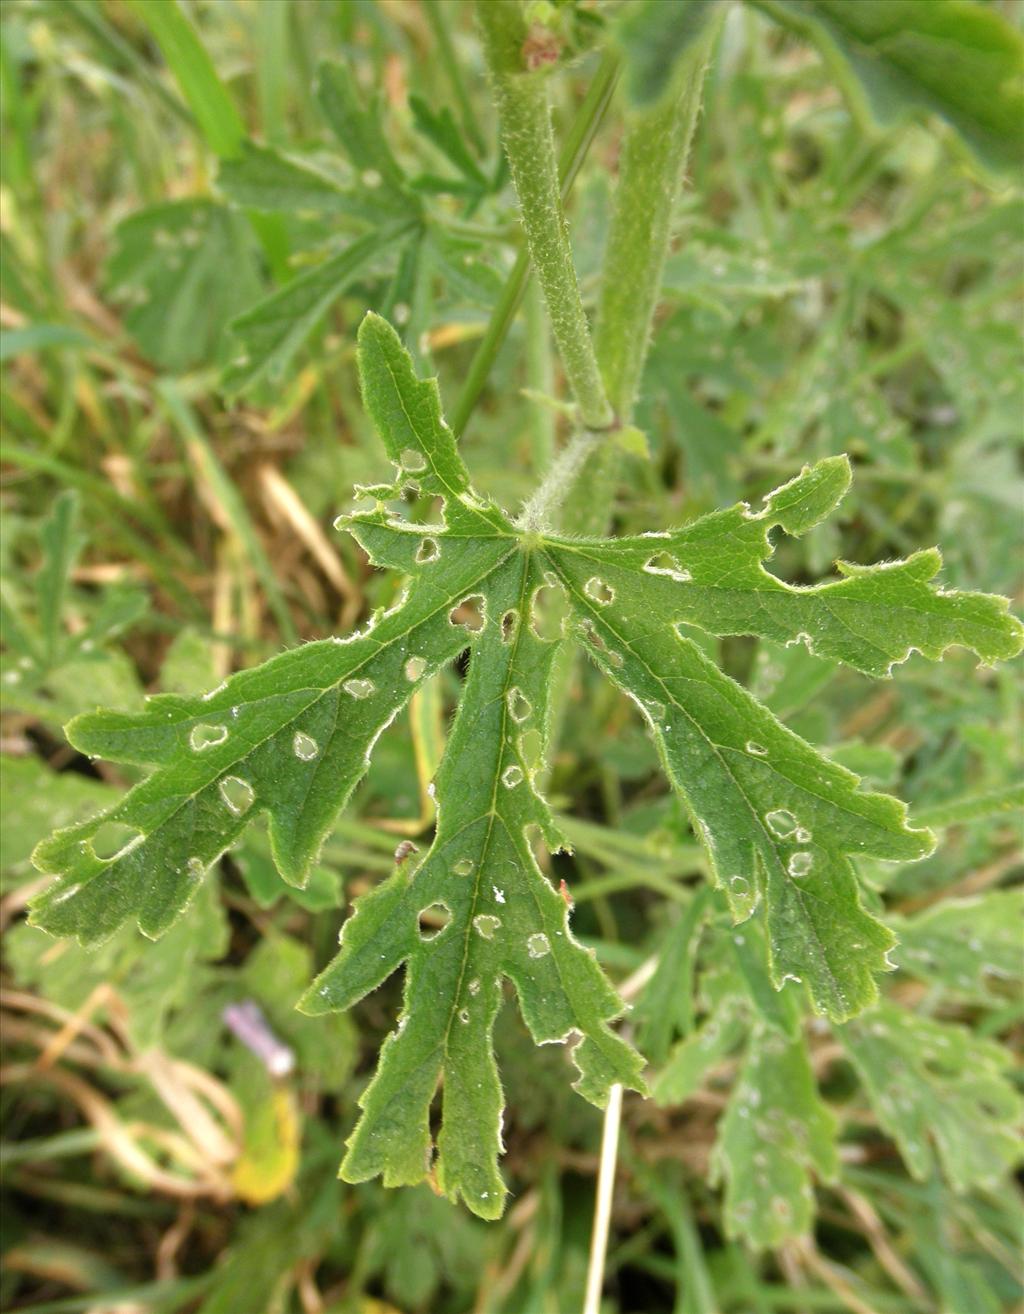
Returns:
(653,35)
(970,947)
(256,864)
(40,337)
(872,618)
(780,822)
(262,178)
(292,739)
(274,330)
(193,70)
(477,908)
(151,980)
(775,1131)
(61,543)
(34,799)
(181,270)
(961,60)
(360,133)
(441,129)
(940,1092)
(695,1056)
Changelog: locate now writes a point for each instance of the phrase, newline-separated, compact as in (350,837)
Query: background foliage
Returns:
(196,213)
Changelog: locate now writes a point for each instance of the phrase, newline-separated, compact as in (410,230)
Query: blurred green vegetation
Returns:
(193,221)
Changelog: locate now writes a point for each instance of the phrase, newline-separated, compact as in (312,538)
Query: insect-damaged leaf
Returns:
(292,739)
(780,822)
(928,1081)
(775,1130)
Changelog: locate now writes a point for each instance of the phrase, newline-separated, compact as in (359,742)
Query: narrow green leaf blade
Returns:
(61,543)
(776,1130)
(359,131)
(406,412)
(193,70)
(273,331)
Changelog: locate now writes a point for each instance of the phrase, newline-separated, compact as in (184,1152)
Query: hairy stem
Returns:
(654,152)
(530,147)
(540,378)
(574,152)
(539,512)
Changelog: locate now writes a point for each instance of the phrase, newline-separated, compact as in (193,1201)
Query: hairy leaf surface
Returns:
(780,822)
(292,739)
(775,1131)
(971,947)
(928,1081)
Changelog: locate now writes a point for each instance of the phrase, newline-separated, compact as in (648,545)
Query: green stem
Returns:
(530,147)
(538,514)
(654,151)
(540,379)
(574,152)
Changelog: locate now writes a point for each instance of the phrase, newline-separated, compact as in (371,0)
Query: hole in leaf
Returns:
(538,945)
(780,822)
(464,867)
(433,919)
(512,776)
(549,609)
(509,625)
(471,613)
(589,631)
(305,747)
(115,838)
(428,550)
(485,925)
(413,460)
(519,706)
(664,563)
(238,794)
(598,591)
(756,749)
(207,736)
(800,864)
(359,688)
(414,668)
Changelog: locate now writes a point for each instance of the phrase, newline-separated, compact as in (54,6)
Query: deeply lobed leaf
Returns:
(775,1130)
(293,737)
(927,1081)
